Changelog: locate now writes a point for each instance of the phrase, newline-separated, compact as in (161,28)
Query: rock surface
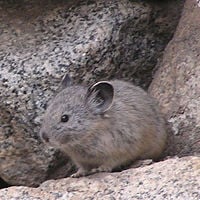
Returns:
(171,179)
(176,84)
(42,40)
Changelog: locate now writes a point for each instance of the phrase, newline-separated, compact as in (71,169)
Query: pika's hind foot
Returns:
(101,169)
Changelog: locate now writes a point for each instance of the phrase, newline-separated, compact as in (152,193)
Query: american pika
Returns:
(104,126)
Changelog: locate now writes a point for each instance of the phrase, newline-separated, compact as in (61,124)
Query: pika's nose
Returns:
(44,136)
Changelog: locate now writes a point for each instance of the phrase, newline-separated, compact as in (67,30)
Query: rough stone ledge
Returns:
(175,178)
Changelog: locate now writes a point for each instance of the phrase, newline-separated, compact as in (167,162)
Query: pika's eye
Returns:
(64,118)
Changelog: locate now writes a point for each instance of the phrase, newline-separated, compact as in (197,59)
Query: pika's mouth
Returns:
(65,139)
(44,137)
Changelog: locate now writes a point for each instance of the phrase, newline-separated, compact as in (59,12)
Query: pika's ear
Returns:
(99,97)
(66,81)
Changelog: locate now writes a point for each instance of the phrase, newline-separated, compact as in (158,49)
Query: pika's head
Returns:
(73,111)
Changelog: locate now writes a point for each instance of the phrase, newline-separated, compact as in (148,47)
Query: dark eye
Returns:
(64,118)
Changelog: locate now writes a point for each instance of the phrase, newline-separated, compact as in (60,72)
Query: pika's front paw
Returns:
(80,173)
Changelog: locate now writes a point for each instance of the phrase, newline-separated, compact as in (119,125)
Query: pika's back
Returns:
(131,95)
(133,101)
(138,114)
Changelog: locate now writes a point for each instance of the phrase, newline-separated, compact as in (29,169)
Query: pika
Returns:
(104,126)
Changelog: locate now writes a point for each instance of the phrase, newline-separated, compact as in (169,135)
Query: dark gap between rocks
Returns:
(3,184)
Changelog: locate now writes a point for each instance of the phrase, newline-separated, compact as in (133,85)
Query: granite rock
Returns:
(176,83)
(175,178)
(91,40)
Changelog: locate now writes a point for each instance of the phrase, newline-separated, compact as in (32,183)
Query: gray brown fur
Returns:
(127,128)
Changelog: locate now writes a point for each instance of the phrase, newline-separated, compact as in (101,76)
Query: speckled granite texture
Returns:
(176,85)
(173,179)
(40,41)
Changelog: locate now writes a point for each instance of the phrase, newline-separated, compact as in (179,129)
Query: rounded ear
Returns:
(99,97)
(66,81)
